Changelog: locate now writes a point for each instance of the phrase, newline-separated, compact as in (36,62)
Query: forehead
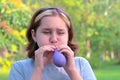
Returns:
(53,22)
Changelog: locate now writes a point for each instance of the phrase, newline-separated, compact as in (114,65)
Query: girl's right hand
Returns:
(43,56)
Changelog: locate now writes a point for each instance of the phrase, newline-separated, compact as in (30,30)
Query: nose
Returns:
(53,38)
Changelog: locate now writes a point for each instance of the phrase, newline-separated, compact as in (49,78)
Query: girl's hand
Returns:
(43,56)
(69,54)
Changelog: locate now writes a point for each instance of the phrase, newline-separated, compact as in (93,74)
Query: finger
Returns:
(67,52)
(49,50)
(45,50)
(65,48)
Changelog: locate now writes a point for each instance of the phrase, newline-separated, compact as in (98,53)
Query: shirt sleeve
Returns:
(16,72)
(85,69)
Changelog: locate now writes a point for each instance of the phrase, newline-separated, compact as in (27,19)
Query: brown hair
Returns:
(35,22)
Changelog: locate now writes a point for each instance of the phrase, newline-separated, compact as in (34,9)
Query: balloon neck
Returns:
(55,50)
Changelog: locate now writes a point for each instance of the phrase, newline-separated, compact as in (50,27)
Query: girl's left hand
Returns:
(69,54)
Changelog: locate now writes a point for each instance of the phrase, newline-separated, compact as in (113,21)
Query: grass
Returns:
(109,72)
(106,72)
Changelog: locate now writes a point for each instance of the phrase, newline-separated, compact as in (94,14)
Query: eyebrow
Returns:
(59,29)
(46,29)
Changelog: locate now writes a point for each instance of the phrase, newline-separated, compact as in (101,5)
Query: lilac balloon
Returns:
(58,58)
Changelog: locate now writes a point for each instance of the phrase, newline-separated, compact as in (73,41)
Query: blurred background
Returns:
(97,31)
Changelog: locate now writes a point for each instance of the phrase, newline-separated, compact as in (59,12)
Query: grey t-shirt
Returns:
(23,69)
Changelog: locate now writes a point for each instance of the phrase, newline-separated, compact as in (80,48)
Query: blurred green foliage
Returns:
(95,21)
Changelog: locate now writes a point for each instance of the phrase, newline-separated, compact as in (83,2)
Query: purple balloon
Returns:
(58,58)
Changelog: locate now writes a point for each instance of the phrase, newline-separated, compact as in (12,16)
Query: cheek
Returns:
(41,41)
(64,40)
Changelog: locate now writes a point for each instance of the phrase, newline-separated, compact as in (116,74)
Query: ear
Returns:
(33,34)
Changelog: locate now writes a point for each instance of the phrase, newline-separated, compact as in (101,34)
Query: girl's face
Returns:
(52,31)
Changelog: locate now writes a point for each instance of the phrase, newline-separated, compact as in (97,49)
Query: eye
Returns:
(61,32)
(46,32)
